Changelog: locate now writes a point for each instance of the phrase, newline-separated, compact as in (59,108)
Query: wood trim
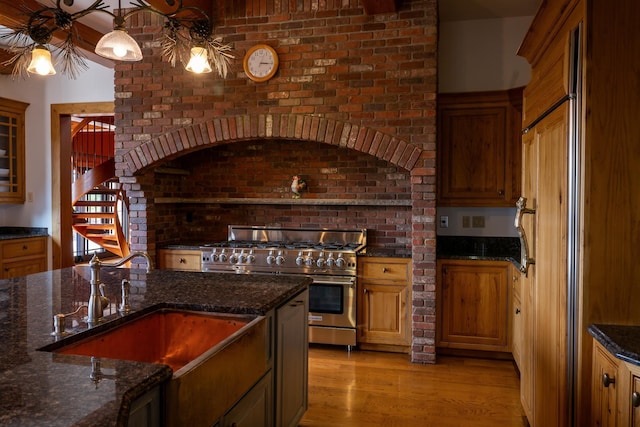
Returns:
(61,228)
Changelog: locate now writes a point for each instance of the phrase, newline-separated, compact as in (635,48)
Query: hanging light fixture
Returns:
(187,36)
(199,61)
(41,62)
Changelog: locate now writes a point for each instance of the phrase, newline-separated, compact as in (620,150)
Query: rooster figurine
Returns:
(297,185)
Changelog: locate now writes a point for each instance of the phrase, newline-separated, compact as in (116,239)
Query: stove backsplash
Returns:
(264,169)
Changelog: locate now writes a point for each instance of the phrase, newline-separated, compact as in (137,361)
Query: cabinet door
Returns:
(635,400)
(23,268)
(473,305)
(385,314)
(604,390)
(291,360)
(479,148)
(517,317)
(255,409)
(12,151)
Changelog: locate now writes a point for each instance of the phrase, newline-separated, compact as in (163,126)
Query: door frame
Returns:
(61,221)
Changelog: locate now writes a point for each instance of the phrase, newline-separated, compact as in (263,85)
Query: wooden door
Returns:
(544,383)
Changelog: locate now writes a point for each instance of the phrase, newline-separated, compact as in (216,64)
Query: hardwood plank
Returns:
(364,388)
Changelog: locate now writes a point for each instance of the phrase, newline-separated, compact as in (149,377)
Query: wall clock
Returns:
(260,62)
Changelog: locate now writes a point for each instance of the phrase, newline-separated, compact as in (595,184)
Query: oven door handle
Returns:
(334,281)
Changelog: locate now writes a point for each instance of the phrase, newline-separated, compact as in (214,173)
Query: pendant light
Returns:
(199,61)
(41,62)
(117,44)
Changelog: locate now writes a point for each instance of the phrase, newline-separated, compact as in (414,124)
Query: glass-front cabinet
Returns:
(12,117)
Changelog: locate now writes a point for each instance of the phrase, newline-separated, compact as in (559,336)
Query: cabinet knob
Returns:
(500,192)
(183,261)
(635,399)
(25,247)
(517,311)
(607,380)
(384,269)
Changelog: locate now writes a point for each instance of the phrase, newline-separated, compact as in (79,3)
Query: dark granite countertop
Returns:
(371,251)
(7,233)
(479,248)
(623,341)
(42,388)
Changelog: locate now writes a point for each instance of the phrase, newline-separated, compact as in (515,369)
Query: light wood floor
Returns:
(364,388)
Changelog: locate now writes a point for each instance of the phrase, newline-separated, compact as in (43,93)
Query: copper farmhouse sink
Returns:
(170,337)
(216,357)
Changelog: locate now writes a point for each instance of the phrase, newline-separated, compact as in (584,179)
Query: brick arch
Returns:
(230,129)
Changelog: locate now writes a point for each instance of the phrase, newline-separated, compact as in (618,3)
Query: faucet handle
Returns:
(124,307)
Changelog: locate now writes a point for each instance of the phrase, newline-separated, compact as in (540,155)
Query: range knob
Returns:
(222,257)
(299,259)
(271,259)
(214,256)
(233,258)
(251,258)
(280,258)
(309,259)
(340,262)
(330,261)
(242,258)
(321,262)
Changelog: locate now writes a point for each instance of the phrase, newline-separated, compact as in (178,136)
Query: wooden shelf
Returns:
(265,201)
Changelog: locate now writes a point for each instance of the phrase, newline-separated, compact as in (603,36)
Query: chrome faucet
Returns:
(97,300)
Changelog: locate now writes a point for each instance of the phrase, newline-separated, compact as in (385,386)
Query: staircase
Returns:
(96,198)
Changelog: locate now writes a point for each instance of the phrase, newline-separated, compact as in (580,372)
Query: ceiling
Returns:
(465,10)
(450,10)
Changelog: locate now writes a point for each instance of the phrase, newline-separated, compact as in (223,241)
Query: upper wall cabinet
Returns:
(12,150)
(479,148)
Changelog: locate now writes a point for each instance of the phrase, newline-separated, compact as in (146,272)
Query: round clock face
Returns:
(260,63)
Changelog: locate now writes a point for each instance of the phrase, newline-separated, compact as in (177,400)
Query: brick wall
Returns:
(352,109)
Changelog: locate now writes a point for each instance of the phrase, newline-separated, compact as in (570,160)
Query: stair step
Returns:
(94,215)
(88,226)
(89,203)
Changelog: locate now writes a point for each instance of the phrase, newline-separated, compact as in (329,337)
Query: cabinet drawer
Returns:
(179,260)
(386,269)
(23,247)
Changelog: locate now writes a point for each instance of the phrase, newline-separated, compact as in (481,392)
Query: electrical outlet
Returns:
(466,221)
(444,221)
(477,222)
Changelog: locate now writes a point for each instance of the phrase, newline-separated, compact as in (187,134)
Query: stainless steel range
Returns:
(328,256)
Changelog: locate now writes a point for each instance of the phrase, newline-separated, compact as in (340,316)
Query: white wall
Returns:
(476,56)
(93,85)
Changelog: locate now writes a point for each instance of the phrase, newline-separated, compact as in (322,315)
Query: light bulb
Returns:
(199,61)
(119,51)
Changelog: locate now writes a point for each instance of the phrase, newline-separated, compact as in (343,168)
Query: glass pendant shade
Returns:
(199,62)
(41,62)
(119,45)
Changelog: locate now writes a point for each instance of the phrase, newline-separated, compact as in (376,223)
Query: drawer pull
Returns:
(183,261)
(607,380)
(384,269)
(25,247)
(635,399)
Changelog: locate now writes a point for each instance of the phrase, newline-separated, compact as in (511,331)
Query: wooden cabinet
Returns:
(180,259)
(478,148)
(517,337)
(12,119)
(384,298)
(145,410)
(615,390)
(604,390)
(255,409)
(19,257)
(291,363)
(473,304)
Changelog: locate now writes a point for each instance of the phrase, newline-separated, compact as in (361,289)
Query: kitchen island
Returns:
(44,388)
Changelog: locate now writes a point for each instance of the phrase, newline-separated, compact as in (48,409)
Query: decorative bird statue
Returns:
(297,185)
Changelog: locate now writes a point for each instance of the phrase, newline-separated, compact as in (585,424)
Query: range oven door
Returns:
(332,310)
